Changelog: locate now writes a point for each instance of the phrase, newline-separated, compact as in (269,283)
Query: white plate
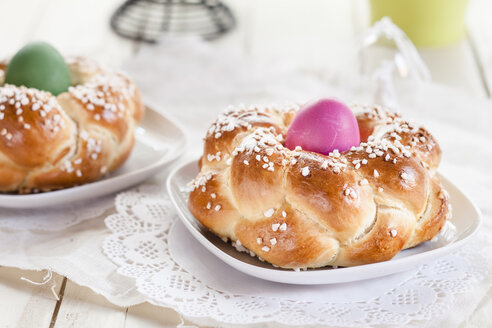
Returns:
(158,142)
(466,218)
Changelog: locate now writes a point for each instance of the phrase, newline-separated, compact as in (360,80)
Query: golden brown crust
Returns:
(32,138)
(49,142)
(213,197)
(323,202)
(298,209)
(12,174)
(388,236)
(301,244)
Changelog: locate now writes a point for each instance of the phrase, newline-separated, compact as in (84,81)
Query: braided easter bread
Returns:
(299,209)
(49,142)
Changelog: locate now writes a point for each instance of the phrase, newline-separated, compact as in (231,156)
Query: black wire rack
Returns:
(149,20)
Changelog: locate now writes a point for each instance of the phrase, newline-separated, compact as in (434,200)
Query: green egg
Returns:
(39,65)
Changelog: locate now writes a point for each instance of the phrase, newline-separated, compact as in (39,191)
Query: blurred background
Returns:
(324,31)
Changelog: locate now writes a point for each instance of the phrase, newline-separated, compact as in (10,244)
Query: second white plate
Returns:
(158,142)
(466,218)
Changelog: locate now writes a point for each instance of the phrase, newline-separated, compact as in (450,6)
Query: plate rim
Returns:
(14,201)
(372,270)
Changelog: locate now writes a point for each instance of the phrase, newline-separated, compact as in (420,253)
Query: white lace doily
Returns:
(54,218)
(171,269)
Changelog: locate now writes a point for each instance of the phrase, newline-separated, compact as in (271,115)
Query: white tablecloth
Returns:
(187,82)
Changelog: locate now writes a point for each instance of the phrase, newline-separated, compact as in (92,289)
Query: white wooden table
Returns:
(266,28)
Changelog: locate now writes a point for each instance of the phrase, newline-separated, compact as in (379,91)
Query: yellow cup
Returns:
(426,22)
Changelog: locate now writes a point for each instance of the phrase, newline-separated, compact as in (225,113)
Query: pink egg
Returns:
(323,126)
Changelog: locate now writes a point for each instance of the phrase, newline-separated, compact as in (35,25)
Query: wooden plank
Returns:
(300,30)
(479,31)
(82,308)
(455,66)
(74,27)
(239,38)
(23,304)
(81,27)
(17,18)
